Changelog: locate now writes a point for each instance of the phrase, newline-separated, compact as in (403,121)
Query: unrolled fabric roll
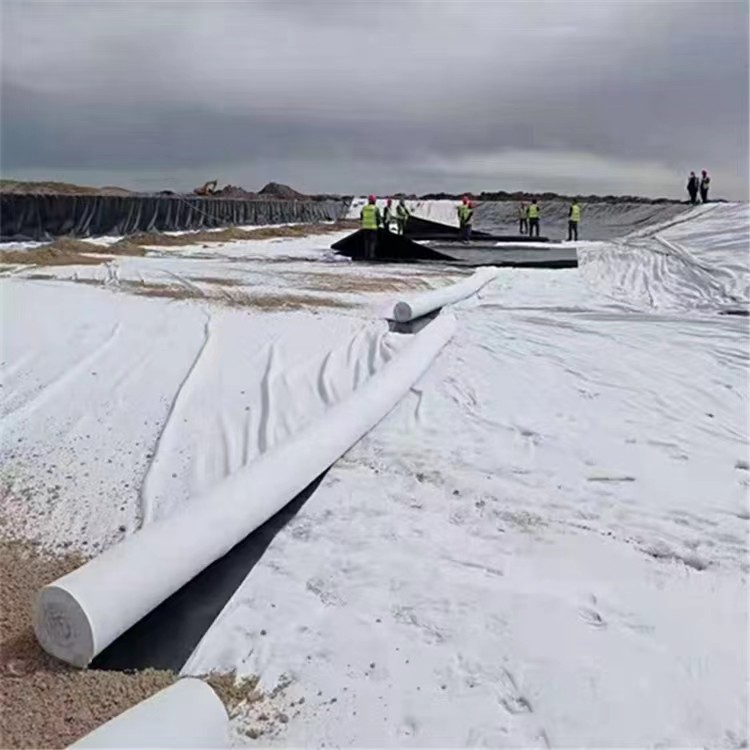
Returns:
(80,614)
(186,714)
(422,304)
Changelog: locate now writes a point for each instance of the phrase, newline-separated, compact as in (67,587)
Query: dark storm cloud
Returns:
(612,96)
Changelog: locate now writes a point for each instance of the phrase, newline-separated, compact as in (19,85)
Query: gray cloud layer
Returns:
(615,96)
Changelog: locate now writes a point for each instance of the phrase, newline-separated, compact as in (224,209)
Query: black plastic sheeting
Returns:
(600,220)
(43,217)
(167,636)
(394,248)
(556,256)
(424,229)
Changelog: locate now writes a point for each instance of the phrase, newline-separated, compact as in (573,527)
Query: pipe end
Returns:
(62,627)
(402,312)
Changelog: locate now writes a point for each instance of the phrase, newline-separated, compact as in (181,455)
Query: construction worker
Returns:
(574,216)
(523,218)
(533,214)
(465,217)
(388,214)
(692,188)
(705,182)
(370,220)
(402,216)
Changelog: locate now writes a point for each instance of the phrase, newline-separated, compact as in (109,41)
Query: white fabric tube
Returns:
(81,613)
(422,304)
(186,714)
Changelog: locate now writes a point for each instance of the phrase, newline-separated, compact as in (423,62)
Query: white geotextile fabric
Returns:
(187,714)
(422,304)
(80,614)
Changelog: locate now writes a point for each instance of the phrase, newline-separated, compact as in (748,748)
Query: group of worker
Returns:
(372,219)
(528,220)
(529,215)
(695,185)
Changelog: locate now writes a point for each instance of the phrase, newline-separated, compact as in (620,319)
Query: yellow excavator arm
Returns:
(208,188)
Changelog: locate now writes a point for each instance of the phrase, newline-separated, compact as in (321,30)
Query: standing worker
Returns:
(370,220)
(705,182)
(574,216)
(388,215)
(523,218)
(692,188)
(533,213)
(402,216)
(465,217)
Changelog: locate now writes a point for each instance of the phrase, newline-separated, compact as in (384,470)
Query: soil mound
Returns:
(232,191)
(66,251)
(277,190)
(20,187)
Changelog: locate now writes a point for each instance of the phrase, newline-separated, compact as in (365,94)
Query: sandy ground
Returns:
(44,702)
(47,704)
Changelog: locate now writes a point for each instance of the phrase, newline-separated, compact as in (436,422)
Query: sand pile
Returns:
(61,252)
(232,191)
(278,190)
(267,302)
(125,246)
(66,251)
(356,284)
(220,292)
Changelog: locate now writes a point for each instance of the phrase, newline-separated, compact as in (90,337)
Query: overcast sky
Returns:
(607,96)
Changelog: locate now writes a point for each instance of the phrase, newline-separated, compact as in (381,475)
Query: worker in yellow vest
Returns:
(370,221)
(465,217)
(402,216)
(574,216)
(523,218)
(533,210)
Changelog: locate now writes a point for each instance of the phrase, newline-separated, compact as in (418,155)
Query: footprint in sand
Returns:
(592,617)
(510,697)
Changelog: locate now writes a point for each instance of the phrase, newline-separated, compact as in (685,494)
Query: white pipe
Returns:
(80,614)
(421,304)
(187,714)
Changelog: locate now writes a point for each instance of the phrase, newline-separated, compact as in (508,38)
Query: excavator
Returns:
(208,189)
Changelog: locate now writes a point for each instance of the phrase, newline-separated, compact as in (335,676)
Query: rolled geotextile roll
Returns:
(422,304)
(186,714)
(81,613)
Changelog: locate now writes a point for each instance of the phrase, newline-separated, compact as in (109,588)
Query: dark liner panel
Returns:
(394,248)
(43,217)
(424,229)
